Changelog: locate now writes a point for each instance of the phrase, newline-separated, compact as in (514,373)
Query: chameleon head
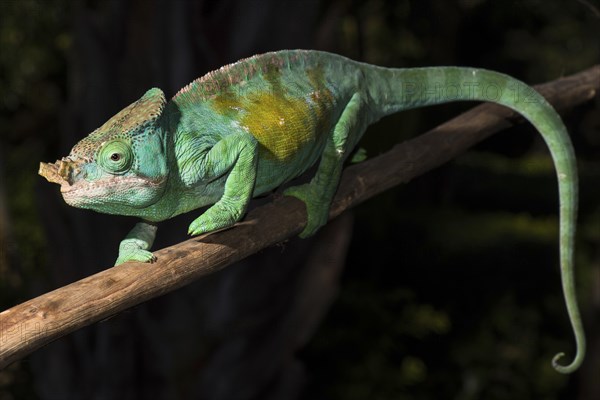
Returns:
(119,168)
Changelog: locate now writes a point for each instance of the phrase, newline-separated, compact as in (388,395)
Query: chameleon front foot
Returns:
(219,216)
(129,250)
(317,208)
(144,256)
(135,246)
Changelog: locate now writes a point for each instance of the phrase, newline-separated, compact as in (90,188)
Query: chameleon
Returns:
(251,126)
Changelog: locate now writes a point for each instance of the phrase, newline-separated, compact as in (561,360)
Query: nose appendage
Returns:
(61,172)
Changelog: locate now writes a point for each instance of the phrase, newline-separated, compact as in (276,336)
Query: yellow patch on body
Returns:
(282,124)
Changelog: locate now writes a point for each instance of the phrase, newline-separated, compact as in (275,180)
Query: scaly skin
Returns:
(251,126)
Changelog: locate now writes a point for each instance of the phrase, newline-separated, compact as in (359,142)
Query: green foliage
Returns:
(390,321)
(34,40)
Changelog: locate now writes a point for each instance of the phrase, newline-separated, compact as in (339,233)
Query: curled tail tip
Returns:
(566,369)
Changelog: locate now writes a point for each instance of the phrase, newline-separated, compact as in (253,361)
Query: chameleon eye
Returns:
(115,157)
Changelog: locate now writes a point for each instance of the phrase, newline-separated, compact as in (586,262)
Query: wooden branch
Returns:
(30,325)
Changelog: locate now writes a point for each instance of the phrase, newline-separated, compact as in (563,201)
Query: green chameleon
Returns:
(248,127)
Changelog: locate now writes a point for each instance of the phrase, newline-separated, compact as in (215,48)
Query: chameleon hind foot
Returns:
(317,208)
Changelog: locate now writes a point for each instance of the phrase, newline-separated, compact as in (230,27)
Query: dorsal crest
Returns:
(126,124)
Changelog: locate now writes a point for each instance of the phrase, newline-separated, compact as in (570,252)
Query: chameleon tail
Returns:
(401,89)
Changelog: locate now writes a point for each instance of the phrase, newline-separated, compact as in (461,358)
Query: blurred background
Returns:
(445,288)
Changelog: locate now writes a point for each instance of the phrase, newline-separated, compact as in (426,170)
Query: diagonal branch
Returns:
(30,325)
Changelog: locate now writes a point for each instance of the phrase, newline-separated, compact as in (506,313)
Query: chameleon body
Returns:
(251,126)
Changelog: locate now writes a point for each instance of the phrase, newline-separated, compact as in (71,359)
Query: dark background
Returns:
(444,288)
